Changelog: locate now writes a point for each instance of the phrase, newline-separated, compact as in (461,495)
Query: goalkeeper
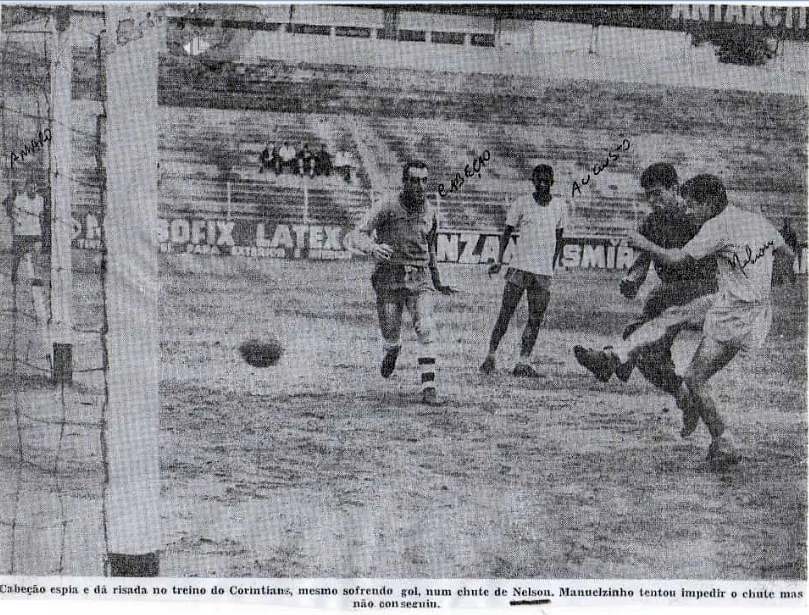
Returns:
(671,226)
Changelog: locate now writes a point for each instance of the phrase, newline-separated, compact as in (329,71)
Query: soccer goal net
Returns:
(75,474)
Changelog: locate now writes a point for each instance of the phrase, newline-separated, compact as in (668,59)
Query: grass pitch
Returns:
(318,467)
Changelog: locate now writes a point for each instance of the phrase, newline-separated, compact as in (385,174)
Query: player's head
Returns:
(705,195)
(542,172)
(542,178)
(414,179)
(660,184)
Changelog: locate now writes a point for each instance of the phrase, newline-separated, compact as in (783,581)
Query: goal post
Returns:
(60,169)
(132,486)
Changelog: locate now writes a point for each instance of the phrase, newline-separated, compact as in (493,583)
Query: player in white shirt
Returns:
(745,245)
(26,212)
(541,222)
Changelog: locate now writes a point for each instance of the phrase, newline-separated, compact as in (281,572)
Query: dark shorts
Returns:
(527,280)
(397,281)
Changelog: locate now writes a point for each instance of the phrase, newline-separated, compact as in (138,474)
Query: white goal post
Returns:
(132,488)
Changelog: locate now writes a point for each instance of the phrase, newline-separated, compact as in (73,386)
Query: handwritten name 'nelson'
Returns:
(751,258)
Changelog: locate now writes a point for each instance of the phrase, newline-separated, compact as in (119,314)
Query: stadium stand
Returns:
(218,112)
(744,136)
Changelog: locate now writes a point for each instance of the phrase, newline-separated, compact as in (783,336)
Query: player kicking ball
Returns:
(745,245)
(679,302)
(541,222)
(406,273)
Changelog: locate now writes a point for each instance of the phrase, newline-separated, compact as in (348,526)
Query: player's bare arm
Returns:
(636,275)
(506,237)
(435,274)
(364,239)
(557,251)
(380,251)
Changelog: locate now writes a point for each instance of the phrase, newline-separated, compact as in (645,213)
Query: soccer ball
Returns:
(260,353)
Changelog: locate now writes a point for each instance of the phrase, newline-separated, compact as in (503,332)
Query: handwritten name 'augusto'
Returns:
(597,168)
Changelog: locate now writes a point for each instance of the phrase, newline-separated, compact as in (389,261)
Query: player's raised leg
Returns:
(603,362)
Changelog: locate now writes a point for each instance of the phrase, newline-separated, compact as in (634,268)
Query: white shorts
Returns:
(744,324)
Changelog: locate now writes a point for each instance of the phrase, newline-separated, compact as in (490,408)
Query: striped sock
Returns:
(427,365)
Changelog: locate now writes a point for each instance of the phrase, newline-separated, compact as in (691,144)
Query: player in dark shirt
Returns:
(669,225)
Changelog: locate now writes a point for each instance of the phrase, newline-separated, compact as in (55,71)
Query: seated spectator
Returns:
(286,158)
(343,162)
(323,162)
(306,161)
(267,157)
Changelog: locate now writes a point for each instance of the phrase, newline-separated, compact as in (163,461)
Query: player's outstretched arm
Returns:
(673,256)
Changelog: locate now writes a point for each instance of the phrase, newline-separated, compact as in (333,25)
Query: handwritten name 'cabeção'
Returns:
(44,137)
(456,183)
(597,168)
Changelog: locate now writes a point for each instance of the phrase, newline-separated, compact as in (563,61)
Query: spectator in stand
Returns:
(268,158)
(343,163)
(306,161)
(323,162)
(286,158)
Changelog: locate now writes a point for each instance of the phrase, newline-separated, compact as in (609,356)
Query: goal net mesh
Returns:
(52,450)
